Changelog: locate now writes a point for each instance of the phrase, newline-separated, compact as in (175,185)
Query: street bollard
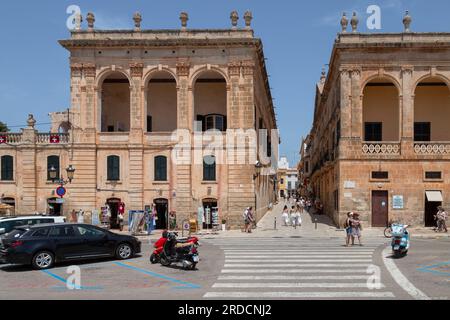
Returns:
(316,222)
(275,224)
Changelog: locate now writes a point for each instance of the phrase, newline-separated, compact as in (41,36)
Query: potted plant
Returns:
(224,225)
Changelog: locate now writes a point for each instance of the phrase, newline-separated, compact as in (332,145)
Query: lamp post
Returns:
(258,167)
(70,174)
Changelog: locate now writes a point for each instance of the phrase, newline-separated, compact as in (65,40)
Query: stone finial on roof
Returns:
(234,16)
(184,17)
(344,23)
(354,22)
(31,121)
(323,75)
(407,22)
(78,21)
(248,16)
(137,18)
(90,18)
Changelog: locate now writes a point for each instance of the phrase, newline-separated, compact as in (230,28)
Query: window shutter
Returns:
(7,172)
(161,168)
(149,124)
(225,123)
(113,168)
(201,119)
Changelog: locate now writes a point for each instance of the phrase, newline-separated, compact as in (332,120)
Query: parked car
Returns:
(7,224)
(44,245)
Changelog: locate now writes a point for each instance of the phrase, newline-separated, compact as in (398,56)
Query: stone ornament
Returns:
(78,21)
(184,17)
(31,121)
(137,18)
(248,17)
(234,19)
(90,18)
(354,22)
(344,23)
(89,70)
(323,75)
(407,22)
(183,69)
(136,69)
(76,69)
(248,67)
(234,68)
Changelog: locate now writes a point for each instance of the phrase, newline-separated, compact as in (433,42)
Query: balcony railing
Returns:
(432,148)
(12,138)
(52,138)
(381,148)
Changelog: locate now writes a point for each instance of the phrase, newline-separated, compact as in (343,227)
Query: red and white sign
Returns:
(54,138)
(2,139)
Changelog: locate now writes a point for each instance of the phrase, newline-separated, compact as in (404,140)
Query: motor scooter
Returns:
(180,252)
(155,257)
(400,239)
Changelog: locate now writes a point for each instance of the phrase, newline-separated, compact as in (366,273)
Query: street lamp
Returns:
(70,174)
(258,167)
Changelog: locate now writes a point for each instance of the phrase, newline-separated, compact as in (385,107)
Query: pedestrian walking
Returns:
(296,217)
(441,218)
(285,216)
(120,220)
(249,221)
(356,228)
(348,229)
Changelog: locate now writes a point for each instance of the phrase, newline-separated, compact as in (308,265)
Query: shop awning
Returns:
(434,196)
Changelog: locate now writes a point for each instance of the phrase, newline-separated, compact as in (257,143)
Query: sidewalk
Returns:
(325,228)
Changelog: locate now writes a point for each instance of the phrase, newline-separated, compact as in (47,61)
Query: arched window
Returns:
(115,103)
(209,168)
(160,168)
(113,168)
(52,161)
(7,173)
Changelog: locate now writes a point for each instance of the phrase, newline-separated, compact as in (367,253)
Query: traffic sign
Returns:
(61,191)
(54,138)
(2,139)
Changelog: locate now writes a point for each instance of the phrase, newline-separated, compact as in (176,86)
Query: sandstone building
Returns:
(130,90)
(380,142)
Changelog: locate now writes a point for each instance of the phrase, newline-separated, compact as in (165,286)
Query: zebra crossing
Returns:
(286,268)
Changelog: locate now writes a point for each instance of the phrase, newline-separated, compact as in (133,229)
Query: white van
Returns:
(7,224)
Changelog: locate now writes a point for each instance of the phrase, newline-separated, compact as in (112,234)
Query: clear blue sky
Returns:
(297,36)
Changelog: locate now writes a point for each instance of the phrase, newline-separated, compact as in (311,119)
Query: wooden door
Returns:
(380,208)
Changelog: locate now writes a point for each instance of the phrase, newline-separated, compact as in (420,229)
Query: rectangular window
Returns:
(433,175)
(113,168)
(373,131)
(52,162)
(209,169)
(422,131)
(149,124)
(380,175)
(7,172)
(160,169)
(306,167)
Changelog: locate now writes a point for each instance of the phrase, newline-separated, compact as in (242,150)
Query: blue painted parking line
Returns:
(185,285)
(59,278)
(429,269)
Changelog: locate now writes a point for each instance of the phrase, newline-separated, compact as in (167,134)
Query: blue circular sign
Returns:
(61,191)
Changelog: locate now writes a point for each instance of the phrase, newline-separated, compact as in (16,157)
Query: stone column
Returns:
(90,106)
(406,104)
(28,174)
(346,112)
(76,95)
(357,101)
(136,129)
(183,201)
(234,73)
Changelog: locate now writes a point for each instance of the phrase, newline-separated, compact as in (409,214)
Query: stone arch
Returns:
(384,76)
(210,98)
(381,119)
(160,100)
(431,109)
(198,73)
(105,73)
(114,101)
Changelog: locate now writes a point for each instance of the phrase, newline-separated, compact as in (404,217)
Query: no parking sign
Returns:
(61,191)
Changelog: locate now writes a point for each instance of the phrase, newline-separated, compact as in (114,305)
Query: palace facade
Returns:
(130,91)
(380,142)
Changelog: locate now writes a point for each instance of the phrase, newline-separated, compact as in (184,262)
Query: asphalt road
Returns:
(239,268)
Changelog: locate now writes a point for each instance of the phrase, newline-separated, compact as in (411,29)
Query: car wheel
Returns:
(43,260)
(124,251)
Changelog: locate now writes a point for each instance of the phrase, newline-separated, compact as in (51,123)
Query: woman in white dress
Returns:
(285,216)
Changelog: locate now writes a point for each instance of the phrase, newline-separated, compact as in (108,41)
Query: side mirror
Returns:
(2,230)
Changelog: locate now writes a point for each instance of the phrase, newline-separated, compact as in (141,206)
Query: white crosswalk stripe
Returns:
(295,269)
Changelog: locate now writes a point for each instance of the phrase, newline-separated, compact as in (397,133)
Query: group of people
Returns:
(293,216)
(441,218)
(353,228)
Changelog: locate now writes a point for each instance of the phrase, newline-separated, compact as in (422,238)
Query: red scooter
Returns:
(159,246)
